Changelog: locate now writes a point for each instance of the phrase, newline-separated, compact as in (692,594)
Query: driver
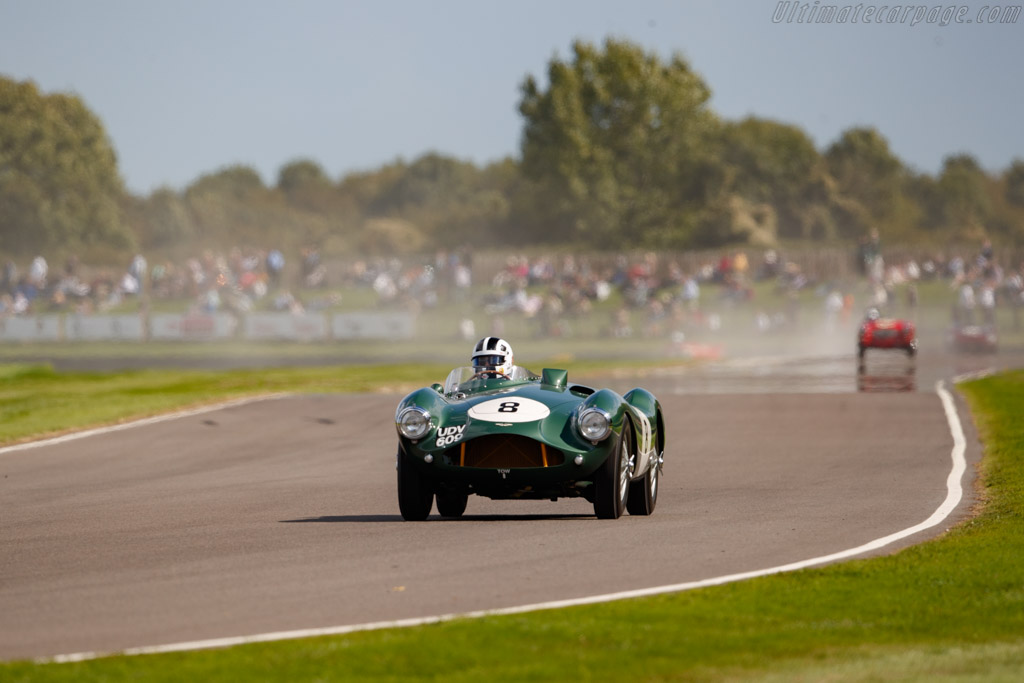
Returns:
(492,357)
(872,314)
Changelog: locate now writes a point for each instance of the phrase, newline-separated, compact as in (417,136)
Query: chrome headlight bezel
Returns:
(594,424)
(413,423)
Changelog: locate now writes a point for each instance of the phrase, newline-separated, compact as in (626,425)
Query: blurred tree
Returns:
(450,202)
(429,181)
(861,162)
(390,236)
(306,186)
(1006,197)
(163,220)
(962,189)
(59,184)
(1014,180)
(776,165)
(237,182)
(616,149)
(301,173)
(868,174)
(232,207)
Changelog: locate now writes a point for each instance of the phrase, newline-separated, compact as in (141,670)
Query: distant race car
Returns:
(975,338)
(877,332)
(513,434)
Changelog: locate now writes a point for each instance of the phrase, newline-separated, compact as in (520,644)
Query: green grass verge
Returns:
(36,400)
(447,352)
(952,609)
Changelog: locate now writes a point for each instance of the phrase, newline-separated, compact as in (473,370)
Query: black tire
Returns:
(911,350)
(451,503)
(415,494)
(611,482)
(860,352)
(643,494)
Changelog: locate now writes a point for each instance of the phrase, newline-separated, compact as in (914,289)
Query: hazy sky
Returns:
(185,87)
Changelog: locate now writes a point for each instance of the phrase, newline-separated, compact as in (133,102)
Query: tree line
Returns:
(620,148)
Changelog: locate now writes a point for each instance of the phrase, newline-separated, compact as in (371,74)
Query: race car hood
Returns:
(533,410)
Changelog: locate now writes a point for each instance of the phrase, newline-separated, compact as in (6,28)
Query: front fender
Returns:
(644,401)
(649,425)
(611,403)
(429,400)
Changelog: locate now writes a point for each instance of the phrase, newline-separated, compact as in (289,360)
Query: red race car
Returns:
(877,332)
(975,339)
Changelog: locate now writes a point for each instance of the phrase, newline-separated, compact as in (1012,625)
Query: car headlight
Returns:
(413,422)
(594,424)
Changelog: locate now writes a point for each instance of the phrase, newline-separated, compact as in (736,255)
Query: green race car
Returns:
(513,434)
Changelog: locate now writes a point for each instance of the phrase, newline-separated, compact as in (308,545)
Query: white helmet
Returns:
(493,354)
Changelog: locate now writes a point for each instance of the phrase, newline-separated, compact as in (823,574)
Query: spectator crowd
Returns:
(650,294)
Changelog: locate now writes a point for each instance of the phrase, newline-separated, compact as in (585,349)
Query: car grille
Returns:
(506,452)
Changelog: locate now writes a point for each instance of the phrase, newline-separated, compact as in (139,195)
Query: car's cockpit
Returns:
(467,379)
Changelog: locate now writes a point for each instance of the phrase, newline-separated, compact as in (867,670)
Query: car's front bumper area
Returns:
(504,466)
(898,341)
(975,345)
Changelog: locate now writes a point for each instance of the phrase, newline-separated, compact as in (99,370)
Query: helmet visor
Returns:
(493,360)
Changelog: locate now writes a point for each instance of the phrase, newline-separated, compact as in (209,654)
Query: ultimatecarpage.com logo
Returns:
(792,12)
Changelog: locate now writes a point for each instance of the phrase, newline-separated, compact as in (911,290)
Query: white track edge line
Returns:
(954,494)
(968,376)
(165,417)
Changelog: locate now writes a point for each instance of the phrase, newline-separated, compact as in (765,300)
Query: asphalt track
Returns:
(280,515)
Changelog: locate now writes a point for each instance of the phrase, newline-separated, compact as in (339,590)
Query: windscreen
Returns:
(466,379)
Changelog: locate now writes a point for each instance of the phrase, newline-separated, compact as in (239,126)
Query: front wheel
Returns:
(611,485)
(415,495)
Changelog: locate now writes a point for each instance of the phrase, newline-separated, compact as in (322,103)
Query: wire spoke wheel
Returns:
(612,481)
(643,494)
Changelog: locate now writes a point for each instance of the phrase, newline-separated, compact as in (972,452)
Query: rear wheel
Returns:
(612,481)
(415,494)
(451,503)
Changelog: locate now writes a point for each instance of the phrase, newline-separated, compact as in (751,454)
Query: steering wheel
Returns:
(489,375)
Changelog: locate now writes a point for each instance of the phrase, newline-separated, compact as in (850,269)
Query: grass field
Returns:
(36,400)
(951,609)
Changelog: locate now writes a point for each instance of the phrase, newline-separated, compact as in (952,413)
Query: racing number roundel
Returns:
(510,409)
